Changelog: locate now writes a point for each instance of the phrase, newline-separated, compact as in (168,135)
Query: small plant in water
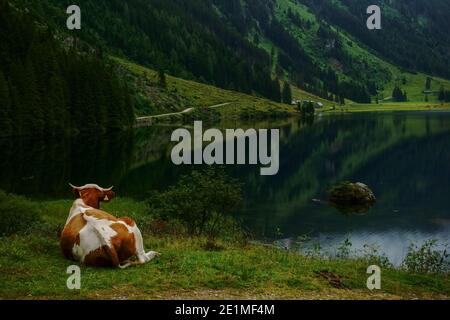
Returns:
(427,258)
(372,255)
(344,249)
(315,251)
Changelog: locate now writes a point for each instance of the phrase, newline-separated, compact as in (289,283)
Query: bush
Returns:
(201,200)
(306,108)
(17,214)
(426,258)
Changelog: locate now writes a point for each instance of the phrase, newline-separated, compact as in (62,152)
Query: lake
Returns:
(403,157)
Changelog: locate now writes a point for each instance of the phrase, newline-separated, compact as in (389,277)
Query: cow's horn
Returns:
(109,189)
(75,187)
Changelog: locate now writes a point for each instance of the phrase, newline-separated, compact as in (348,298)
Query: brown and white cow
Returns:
(96,238)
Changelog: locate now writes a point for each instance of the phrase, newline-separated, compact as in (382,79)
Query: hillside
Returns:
(247,46)
(350,57)
(180,94)
(322,48)
(414,33)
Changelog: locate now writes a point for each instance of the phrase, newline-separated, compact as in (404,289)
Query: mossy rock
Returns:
(350,198)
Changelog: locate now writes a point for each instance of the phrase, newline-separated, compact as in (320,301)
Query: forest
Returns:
(46,89)
(415,33)
(206,41)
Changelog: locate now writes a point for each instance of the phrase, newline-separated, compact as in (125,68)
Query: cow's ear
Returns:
(108,196)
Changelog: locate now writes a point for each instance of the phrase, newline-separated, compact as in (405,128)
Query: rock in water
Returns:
(351,197)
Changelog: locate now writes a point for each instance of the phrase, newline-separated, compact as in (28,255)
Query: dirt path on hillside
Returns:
(149,118)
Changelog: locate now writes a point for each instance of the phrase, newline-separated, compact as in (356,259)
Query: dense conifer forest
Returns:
(46,89)
(415,32)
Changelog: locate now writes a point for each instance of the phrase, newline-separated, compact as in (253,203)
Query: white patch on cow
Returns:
(94,235)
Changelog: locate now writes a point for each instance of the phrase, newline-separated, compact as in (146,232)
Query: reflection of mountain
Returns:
(417,171)
(152,167)
(333,149)
(394,154)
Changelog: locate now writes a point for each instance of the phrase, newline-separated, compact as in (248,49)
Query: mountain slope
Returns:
(351,58)
(322,47)
(195,40)
(181,94)
(414,33)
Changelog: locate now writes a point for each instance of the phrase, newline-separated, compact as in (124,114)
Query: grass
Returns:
(389,106)
(33,268)
(414,85)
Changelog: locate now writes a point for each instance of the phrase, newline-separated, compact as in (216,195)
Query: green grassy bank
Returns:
(32,267)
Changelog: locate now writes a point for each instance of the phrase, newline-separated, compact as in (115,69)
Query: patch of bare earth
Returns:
(246,294)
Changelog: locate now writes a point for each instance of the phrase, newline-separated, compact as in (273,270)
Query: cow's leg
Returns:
(151,254)
(148,256)
(142,256)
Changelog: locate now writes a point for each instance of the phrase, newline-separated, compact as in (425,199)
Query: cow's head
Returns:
(92,194)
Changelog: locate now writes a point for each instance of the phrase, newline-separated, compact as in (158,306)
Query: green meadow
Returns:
(32,266)
(390,106)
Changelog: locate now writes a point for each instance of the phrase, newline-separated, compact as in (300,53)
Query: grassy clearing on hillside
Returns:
(199,95)
(34,268)
(414,85)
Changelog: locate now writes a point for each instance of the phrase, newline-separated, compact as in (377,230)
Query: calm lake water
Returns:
(403,157)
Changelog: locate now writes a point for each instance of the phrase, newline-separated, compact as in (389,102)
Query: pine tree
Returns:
(19,106)
(276,91)
(287,93)
(441,96)
(398,95)
(5,107)
(428,84)
(162,79)
(57,113)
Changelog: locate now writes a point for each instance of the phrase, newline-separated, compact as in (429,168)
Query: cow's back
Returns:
(70,236)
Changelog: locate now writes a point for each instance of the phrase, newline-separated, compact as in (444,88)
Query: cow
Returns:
(95,237)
